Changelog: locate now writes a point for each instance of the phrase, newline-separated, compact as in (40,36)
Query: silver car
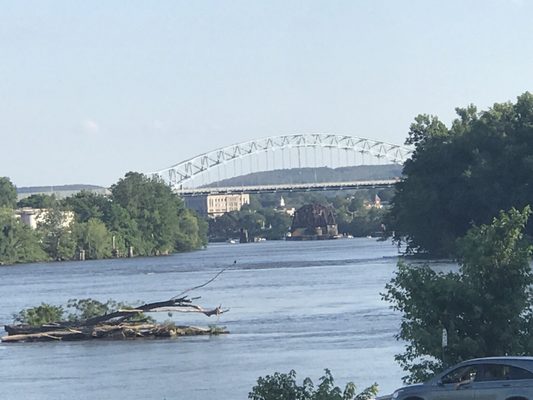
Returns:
(491,378)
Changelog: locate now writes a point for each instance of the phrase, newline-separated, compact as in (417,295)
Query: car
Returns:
(489,378)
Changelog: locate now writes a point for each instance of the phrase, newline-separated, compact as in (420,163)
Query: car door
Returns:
(500,382)
(455,385)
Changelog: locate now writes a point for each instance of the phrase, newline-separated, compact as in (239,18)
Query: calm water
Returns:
(301,305)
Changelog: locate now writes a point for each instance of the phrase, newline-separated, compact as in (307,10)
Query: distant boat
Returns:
(232,241)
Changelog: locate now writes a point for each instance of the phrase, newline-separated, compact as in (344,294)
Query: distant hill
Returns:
(60,191)
(309,175)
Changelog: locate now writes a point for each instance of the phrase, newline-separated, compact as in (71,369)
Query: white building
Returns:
(219,204)
(34,216)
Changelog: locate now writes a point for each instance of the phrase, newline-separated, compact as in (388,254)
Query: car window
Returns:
(493,372)
(462,374)
(515,373)
(497,372)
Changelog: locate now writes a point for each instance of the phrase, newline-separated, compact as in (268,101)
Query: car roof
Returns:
(503,358)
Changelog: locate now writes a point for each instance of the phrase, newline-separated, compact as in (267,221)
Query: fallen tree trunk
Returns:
(117,332)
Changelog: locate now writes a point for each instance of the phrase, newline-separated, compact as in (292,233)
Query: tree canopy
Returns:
(141,213)
(8,193)
(156,210)
(486,307)
(281,386)
(18,242)
(463,174)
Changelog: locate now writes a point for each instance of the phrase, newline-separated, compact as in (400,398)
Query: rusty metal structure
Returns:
(314,221)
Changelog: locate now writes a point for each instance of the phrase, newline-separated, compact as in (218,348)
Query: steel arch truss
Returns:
(179,174)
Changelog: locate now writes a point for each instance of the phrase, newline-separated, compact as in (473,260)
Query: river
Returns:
(293,305)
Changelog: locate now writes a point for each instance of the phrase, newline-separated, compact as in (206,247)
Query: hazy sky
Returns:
(92,89)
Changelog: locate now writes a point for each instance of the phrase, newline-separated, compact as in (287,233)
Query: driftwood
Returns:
(119,324)
(120,331)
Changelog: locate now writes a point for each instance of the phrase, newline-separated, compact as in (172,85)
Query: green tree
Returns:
(40,315)
(38,201)
(124,228)
(83,309)
(56,228)
(8,193)
(367,222)
(253,222)
(156,210)
(277,224)
(486,307)
(93,237)
(466,173)
(88,205)
(284,387)
(18,242)
(191,234)
(224,227)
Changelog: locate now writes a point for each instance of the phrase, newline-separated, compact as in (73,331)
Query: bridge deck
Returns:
(292,187)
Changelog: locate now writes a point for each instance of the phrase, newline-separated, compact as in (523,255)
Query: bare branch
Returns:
(204,284)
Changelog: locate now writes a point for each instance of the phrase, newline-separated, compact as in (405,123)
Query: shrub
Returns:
(284,387)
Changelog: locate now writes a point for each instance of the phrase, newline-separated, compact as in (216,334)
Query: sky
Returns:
(90,90)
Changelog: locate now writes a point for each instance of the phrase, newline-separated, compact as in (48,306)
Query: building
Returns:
(375,204)
(35,216)
(284,209)
(215,205)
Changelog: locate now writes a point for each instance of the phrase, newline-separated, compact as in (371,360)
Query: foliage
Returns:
(18,242)
(314,174)
(40,315)
(466,173)
(157,212)
(266,223)
(90,308)
(142,213)
(80,309)
(284,387)
(38,201)
(88,205)
(192,232)
(93,237)
(8,193)
(56,230)
(486,307)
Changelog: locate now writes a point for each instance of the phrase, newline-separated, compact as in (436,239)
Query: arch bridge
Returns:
(206,173)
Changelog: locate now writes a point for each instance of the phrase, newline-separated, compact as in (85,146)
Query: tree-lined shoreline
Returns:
(141,216)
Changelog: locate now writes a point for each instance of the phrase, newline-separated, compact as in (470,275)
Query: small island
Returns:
(91,319)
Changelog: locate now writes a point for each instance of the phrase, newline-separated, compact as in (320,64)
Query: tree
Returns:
(486,307)
(190,235)
(466,173)
(277,224)
(38,201)
(88,205)
(56,230)
(157,212)
(224,227)
(8,193)
(39,315)
(284,387)
(18,242)
(93,237)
